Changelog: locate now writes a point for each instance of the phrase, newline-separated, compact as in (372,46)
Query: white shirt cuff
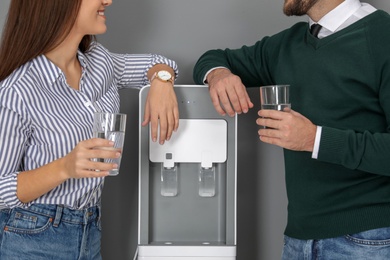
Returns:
(317,140)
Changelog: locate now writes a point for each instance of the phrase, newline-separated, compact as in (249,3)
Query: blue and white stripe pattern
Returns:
(42,118)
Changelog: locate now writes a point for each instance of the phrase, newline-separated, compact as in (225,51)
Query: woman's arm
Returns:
(161,108)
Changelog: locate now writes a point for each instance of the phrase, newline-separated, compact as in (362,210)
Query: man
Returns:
(336,136)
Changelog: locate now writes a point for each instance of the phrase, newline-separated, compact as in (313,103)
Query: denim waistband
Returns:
(60,213)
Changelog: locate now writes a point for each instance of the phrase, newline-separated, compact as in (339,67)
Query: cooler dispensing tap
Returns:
(169,185)
(206,176)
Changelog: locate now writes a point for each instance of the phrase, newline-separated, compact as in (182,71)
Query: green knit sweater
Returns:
(342,83)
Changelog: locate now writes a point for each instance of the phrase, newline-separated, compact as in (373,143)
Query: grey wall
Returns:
(183,30)
(3,12)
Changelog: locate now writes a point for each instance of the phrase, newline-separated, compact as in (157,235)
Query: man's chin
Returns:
(296,8)
(292,13)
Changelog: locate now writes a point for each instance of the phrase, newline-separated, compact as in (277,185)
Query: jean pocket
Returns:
(27,222)
(373,237)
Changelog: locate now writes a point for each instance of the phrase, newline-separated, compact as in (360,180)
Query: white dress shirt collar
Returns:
(335,18)
(342,16)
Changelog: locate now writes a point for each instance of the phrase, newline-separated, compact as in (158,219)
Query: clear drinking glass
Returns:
(275,97)
(111,126)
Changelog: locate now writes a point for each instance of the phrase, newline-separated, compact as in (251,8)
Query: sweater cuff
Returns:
(332,146)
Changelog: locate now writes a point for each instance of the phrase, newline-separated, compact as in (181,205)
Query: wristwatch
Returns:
(162,75)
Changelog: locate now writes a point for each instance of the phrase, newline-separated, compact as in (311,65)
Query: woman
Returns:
(53,77)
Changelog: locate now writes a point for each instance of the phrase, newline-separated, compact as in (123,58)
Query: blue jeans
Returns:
(368,245)
(43,232)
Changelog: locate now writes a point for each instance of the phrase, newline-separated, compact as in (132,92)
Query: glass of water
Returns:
(275,97)
(111,126)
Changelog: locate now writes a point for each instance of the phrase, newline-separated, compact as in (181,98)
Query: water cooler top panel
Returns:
(201,141)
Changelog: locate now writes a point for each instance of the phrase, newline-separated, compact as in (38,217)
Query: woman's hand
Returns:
(81,162)
(161,110)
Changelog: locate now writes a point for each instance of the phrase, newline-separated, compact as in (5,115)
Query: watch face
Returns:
(164,75)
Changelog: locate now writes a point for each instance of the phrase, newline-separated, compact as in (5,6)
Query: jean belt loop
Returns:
(58,216)
(99,212)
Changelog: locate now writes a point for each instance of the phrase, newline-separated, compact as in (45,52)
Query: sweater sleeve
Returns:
(249,62)
(365,150)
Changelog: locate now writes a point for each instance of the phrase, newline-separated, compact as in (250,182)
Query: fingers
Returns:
(272,119)
(87,147)
(274,114)
(271,140)
(172,122)
(245,101)
(152,119)
(176,117)
(231,100)
(239,98)
(154,127)
(103,160)
(105,152)
(89,159)
(228,94)
(168,123)
(146,115)
(172,125)
(161,112)
(163,126)
(288,129)
(101,167)
(218,99)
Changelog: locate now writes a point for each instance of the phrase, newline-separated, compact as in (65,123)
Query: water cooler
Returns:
(187,187)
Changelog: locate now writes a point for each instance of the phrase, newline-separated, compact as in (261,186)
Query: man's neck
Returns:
(322,7)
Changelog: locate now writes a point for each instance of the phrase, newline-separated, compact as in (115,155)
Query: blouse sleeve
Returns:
(131,70)
(14,133)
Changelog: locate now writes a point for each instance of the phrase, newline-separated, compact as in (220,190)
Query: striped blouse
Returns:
(42,118)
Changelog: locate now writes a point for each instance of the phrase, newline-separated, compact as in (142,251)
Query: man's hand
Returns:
(287,129)
(227,92)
